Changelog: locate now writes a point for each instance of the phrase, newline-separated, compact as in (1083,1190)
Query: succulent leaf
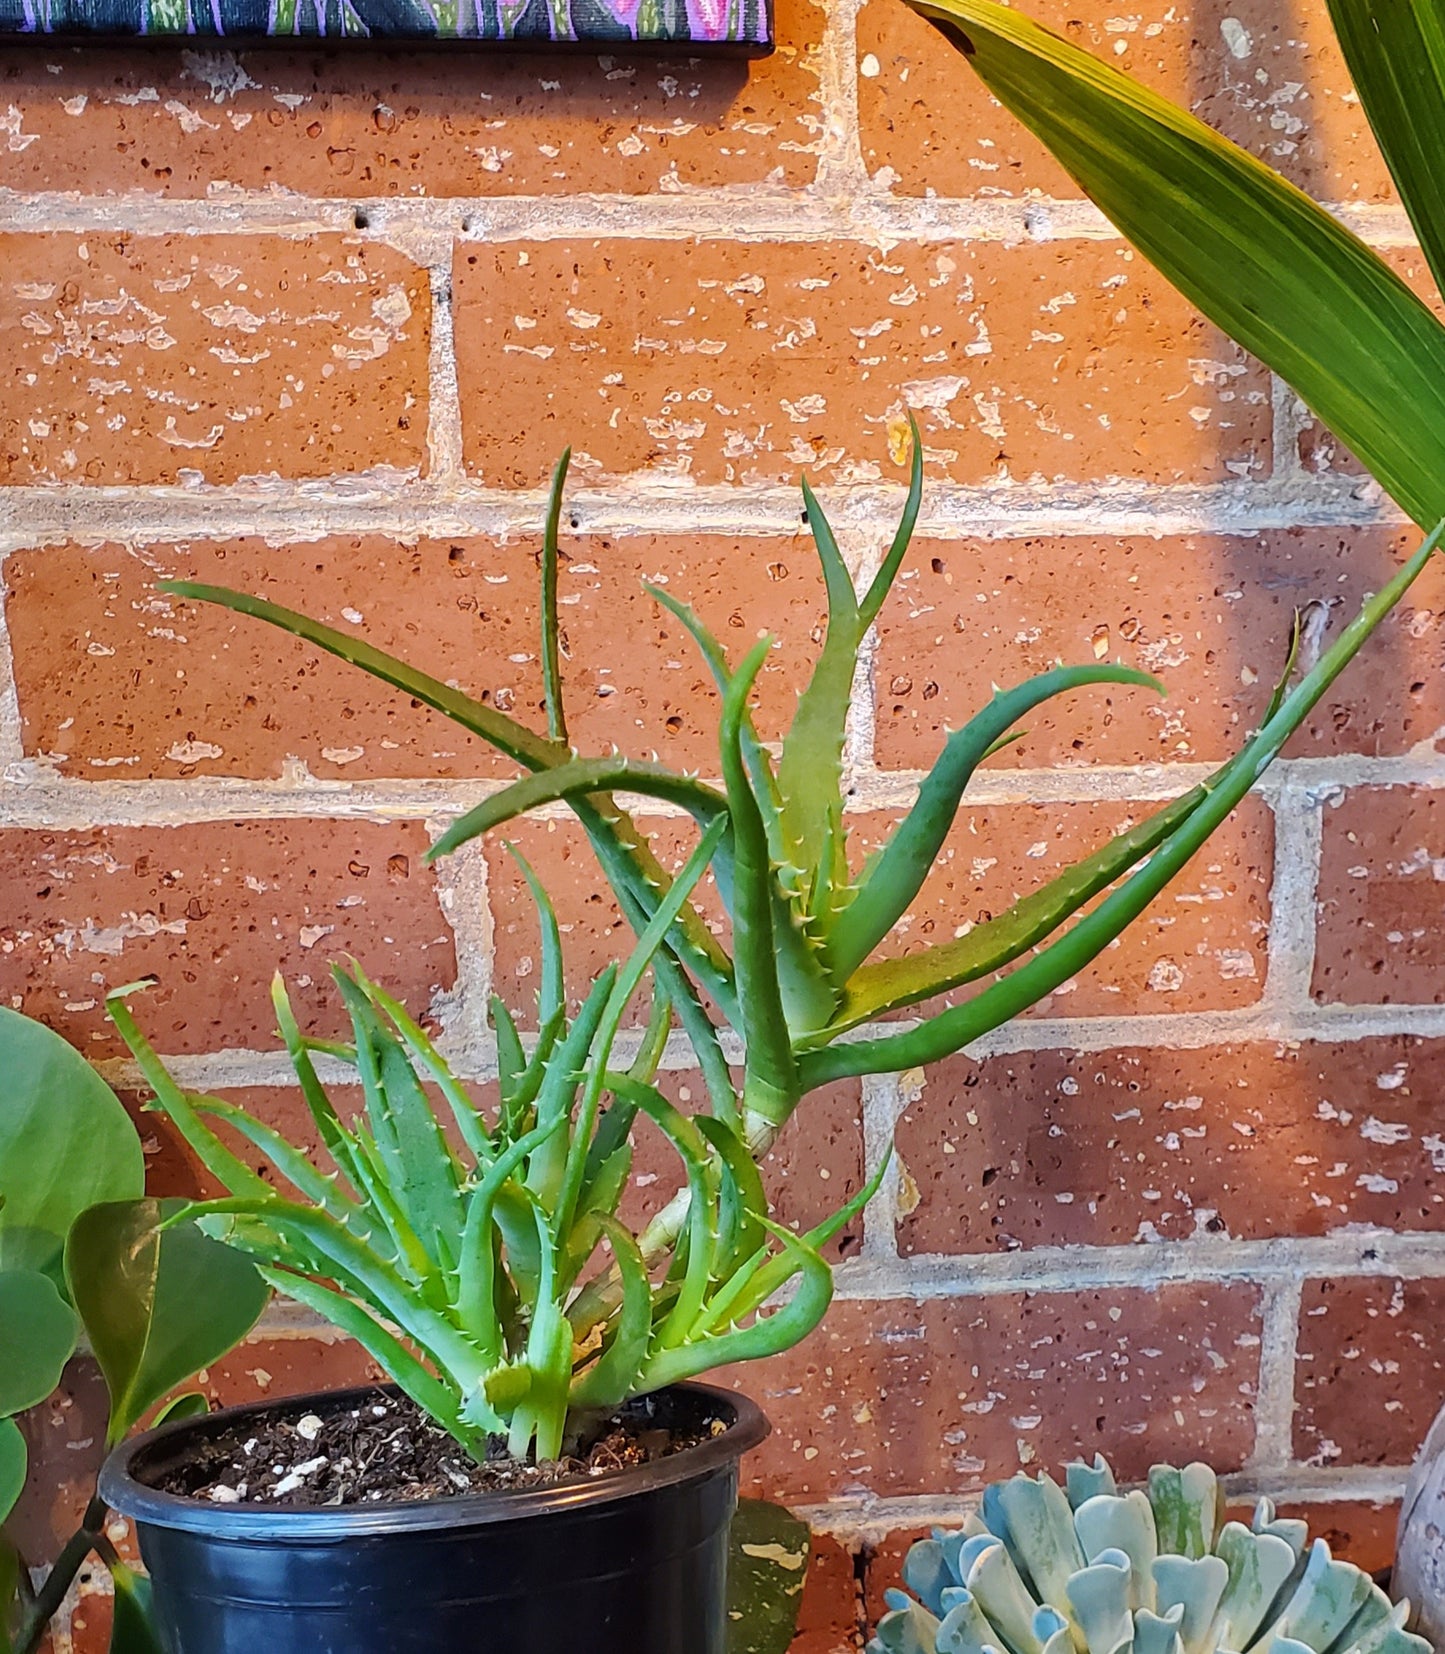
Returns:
(1135,1574)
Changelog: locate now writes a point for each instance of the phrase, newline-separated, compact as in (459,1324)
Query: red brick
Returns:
(90,1621)
(1359,1530)
(146,360)
(739,363)
(114,677)
(1058,1148)
(213,911)
(267,1368)
(1201,946)
(884,1569)
(828,1616)
(942,1396)
(1278,86)
(1209,614)
(1383,857)
(65,1437)
(448,123)
(1371,1369)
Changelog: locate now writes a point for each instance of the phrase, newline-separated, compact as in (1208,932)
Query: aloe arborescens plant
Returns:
(803,974)
(463,1270)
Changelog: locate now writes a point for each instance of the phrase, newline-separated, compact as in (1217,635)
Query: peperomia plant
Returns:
(81,1248)
(803,974)
(463,1266)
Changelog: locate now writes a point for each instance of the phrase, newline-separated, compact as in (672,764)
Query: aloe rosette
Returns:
(1088,1569)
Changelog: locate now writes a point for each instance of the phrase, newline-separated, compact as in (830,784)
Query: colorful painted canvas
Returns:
(740,27)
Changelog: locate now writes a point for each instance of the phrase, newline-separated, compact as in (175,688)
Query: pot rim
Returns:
(279,1523)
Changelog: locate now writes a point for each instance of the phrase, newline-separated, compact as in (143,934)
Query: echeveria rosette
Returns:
(1086,1569)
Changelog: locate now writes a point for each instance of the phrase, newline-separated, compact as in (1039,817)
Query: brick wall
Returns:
(318,325)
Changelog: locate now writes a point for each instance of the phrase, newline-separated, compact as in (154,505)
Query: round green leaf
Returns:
(158,1305)
(12,1465)
(65,1143)
(39,1338)
(133,1629)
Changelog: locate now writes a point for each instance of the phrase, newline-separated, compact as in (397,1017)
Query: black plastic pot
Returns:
(629,1564)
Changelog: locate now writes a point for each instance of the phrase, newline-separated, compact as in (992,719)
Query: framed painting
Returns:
(740,28)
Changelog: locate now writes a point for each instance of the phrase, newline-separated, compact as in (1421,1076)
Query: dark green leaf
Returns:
(38,1338)
(1278,273)
(12,1466)
(65,1143)
(133,1628)
(767,1569)
(9,1583)
(158,1306)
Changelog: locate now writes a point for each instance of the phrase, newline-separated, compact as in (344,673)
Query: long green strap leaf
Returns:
(895,877)
(1278,273)
(1395,50)
(954,1029)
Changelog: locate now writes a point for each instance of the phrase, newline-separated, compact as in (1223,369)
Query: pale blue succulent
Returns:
(1086,1569)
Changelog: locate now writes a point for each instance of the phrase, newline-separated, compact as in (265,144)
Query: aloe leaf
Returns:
(951,1030)
(760,765)
(766,1335)
(511,1058)
(565,1071)
(422,1171)
(687,1138)
(810,767)
(351,1262)
(551,996)
(628,980)
(895,878)
(886,984)
(292,1164)
(227,1168)
(339,1142)
(382,1345)
(772,1074)
(742,1199)
(1275,271)
(629,864)
(476,1277)
(551,654)
(1396,59)
(498,730)
(580,778)
(882,582)
(611,1378)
